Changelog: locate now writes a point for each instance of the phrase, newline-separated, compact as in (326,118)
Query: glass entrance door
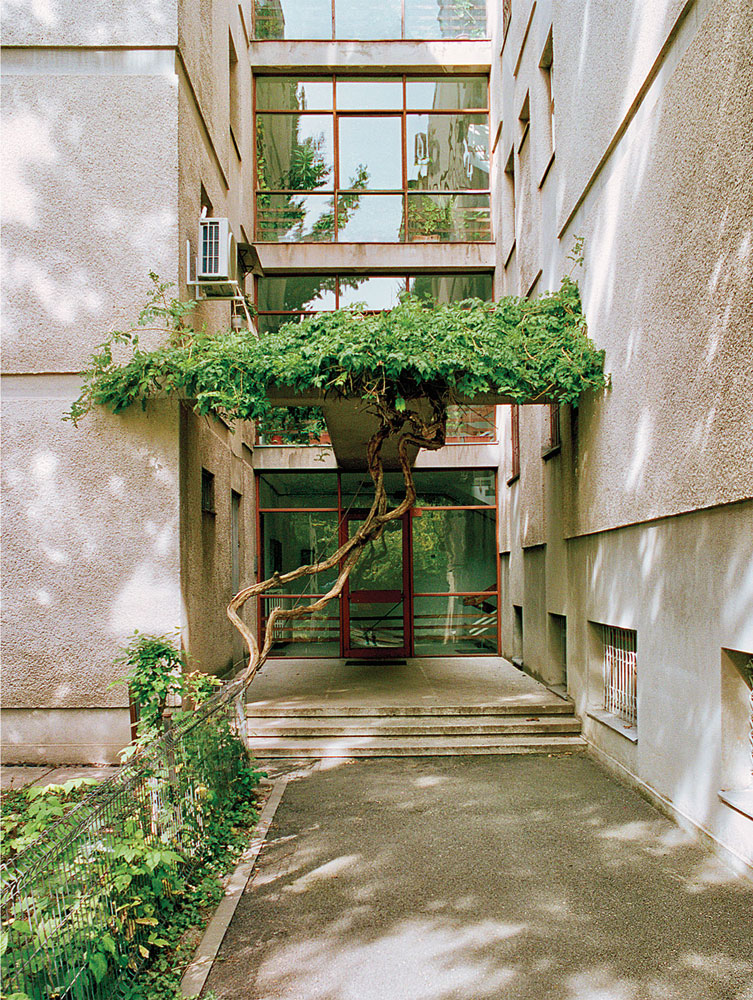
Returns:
(376,612)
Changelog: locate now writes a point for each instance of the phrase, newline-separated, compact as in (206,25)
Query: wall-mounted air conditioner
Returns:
(218,254)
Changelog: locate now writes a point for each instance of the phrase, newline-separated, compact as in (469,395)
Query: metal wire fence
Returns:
(76,923)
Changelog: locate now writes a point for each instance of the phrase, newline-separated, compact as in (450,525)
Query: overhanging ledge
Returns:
(375,258)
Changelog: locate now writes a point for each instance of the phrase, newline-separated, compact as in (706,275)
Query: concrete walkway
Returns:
(523,878)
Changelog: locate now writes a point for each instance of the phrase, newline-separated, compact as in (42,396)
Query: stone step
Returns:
(428,746)
(412,726)
(312,710)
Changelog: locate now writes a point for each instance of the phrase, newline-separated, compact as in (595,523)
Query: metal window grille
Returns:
(210,248)
(620,673)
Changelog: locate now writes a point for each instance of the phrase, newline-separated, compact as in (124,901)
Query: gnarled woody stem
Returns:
(423,434)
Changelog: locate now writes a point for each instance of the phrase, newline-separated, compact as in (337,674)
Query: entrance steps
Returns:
(318,731)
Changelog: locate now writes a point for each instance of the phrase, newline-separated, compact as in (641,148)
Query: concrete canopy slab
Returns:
(375,258)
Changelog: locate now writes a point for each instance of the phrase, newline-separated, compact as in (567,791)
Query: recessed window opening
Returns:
(558,648)
(234,95)
(737,721)
(207,492)
(508,205)
(372,160)
(546,65)
(524,121)
(514,443)
(517,634)
(620,673)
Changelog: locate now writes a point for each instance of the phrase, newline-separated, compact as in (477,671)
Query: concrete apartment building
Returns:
(363,150)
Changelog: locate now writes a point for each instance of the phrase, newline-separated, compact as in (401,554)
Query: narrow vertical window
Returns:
(514,442)
(546,65)
(234,95)
(506,18)
(554,434)
(235,541)
(524,121)
(508,207)
(207,492)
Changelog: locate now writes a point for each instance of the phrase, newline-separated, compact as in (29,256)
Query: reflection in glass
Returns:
(373,145)
(377,625)
(455,625)
(451,92)
(290,540)
(315,635)
(358,20)
(448,152)
(456,488)
(297,291)
(454,551)
(374,293)
(445,19)
(452,287)
(298,489)
(468,424)
(292,93)
(449,217)
(294,152)
(358,489)
(369,94)
(374,218)
(307,19)
(381,564)
(285,218)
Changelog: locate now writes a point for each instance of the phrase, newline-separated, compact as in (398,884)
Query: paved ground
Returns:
(423,681)
(23,776)
(527,878)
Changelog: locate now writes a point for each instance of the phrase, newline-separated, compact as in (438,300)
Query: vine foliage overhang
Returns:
(407,365)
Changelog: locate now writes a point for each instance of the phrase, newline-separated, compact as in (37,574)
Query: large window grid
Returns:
(372,160)
(363,20)
(454,599)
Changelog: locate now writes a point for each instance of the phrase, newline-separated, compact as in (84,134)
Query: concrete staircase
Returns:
(316,731)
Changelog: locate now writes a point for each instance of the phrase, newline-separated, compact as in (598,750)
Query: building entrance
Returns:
(376,597)
(428,587)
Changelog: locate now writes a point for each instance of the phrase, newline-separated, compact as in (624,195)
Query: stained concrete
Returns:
(462,879)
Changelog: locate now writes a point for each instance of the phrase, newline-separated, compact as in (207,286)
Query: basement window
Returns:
(619,672)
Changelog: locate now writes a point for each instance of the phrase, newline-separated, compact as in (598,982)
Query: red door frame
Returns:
(378,597)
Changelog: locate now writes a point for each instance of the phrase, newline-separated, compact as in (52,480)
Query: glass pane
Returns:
(354,19)
(315,635)
(370,153)
(449,218)
(358,489)
(298,489)
(292,426)
(370,218)
(471,424)
(369,94)
(449,19)
(454,551)
(448,152)
(290,540)
(377,626)
(293,19)
(269,323)
(297,291)
(381,564)
(455,625)
(285,218)
(291,93)
(456,92)
(294,152)
(455,488)
(452,287)
(374,293)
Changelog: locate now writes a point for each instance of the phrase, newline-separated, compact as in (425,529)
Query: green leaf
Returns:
(98,966)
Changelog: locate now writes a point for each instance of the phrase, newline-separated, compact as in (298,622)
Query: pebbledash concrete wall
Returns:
(643,519)
(108,136)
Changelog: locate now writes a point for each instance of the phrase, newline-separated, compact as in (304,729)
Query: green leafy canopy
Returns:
(525,349)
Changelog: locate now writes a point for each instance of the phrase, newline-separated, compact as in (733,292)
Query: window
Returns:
(207,492)
(235,541)
(620,673)
(557,649)
(524,121)
(737,730)
(506,18)
(508,208)
(369,19)
(553,431)
(234,95)
(372,160)
(514,443)
(546,65)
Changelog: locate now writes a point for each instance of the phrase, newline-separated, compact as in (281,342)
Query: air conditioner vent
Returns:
(218,255)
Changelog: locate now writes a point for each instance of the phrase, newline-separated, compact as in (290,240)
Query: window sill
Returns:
(614,723)
(550,451)
(513,479)
(740,799)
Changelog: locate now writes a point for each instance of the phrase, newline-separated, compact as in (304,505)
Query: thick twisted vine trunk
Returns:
(411,429)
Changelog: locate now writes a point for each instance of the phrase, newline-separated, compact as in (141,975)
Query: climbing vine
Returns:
(406,365)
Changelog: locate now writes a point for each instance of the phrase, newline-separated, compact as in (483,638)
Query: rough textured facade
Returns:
(625,124)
